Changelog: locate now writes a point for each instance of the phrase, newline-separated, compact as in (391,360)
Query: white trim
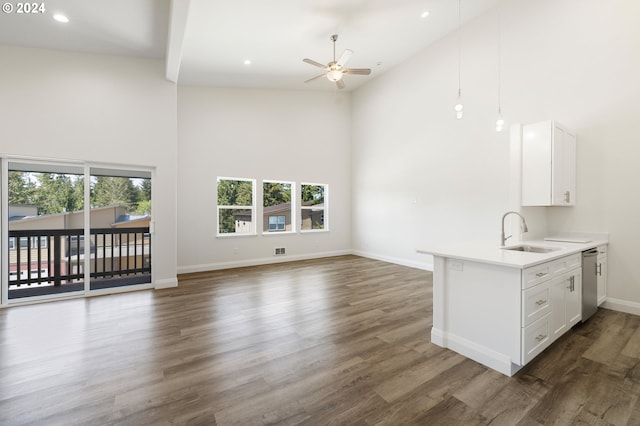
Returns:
(252,207)
(165,283)
(4,231)
(622,306)
(398,261)
(260,261)
(478,353)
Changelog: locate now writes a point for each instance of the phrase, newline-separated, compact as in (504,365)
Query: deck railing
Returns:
(56,256)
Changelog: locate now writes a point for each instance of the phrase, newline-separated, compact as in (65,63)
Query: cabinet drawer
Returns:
(535,338)
(536,302)
(602,251)
(566,263)
(535,274)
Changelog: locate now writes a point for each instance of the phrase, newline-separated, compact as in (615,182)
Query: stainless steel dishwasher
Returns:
(589,283)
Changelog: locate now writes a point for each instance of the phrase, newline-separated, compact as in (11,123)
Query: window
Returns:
(236,208)
(313,206)
(277,206)
(24,245)
(276,223)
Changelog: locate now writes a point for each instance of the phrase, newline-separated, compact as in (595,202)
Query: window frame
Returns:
(325,208)
(251,208)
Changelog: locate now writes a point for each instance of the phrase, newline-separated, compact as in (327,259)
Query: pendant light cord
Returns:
(459,52)
(499,64)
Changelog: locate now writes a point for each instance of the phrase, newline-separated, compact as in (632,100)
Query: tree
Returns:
(145,190)
(114,191)
(57,193)
(21,189)
(232,193)
(275,193)
(313,194)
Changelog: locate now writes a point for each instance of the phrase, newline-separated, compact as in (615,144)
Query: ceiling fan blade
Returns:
(312,62)
(344,58)
(357,71)
(340,84)
(317,76)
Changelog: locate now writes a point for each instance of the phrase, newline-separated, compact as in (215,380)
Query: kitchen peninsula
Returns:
(502,306)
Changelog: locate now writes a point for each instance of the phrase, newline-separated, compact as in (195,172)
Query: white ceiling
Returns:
(208,40)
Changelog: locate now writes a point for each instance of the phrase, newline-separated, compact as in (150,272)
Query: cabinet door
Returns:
(557,318)
(573,298)
(563,169)
(536,164)
(601,274)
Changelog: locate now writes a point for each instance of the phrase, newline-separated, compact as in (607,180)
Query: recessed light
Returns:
(60,18)
(424,14)
(247,61)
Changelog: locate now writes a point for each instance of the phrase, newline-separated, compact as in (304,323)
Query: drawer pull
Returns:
(540,337)
(540,302)
(541,274)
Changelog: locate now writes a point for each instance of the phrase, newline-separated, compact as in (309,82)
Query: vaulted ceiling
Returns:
(207,42)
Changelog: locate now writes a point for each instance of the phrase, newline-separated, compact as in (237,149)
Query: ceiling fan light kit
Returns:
(335,70)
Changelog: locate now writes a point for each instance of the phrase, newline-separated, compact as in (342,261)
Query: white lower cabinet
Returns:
(503,316)
(566,302)
(552,305)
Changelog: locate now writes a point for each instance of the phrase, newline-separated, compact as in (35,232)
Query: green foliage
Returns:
(114,191)
(235,192)
(232,193)
(144,207)
(227,222)
(21,189)
(275,193)
(55,193)
(312,194)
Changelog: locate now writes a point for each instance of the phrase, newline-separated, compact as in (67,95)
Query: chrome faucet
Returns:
(523,226)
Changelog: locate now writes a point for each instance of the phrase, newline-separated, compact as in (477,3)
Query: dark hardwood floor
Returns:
(341,340)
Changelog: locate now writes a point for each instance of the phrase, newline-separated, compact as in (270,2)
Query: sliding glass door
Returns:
(120,219)
(73,229)
(45,227)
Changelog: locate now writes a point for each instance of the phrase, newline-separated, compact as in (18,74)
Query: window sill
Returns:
(276,233)
(223,236)
(313,231)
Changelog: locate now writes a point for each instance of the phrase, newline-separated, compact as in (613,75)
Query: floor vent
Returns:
(279,251)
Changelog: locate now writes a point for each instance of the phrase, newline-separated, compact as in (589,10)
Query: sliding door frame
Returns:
(86,167)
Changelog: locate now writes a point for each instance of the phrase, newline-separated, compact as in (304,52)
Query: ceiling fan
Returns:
(335,70)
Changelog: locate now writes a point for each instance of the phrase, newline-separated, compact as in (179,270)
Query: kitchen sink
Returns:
(531,249)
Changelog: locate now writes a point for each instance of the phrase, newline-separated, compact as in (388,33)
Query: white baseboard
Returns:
(260,261)
(166,283)
(476,352)
(622,306)
(398,261)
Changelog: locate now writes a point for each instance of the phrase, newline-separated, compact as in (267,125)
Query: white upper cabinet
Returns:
(548,165)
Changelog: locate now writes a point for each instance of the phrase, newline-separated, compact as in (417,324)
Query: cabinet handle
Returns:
(540,337)
(599,269)
(567,197)
(540,302)
(541,274)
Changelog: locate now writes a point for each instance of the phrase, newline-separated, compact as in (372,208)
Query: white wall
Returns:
(64,105)
(574,61)
(260,134)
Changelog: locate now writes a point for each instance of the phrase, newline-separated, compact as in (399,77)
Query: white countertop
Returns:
(492,253)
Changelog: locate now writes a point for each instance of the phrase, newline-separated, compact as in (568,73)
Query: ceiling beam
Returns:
(175,40)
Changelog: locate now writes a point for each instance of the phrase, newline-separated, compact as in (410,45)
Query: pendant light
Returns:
(500,120)
(458,106)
